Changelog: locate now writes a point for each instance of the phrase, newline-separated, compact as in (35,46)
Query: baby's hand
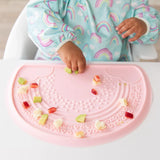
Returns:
(130,26)
(73,57)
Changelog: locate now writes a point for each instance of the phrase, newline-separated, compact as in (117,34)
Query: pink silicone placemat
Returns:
(71,95)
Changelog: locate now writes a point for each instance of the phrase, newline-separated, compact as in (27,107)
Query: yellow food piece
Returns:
(37,113)
(79,134)
(43,119)
(37,99)
(58,123)
(100,125)
(23,89)
(123,102)
(22,81)
(81,118)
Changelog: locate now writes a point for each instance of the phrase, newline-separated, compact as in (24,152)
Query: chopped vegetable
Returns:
(43,119)
(23,89)
(81,118)
(52,110)
(22,81)
(100,125)
(34,85)
(79,134)
(129,115)
(37,113)
(37,99)
(26,104)
(58,123)
(68,70)
(94,91)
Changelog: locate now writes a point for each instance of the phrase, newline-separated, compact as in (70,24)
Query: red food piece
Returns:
(94,91)
(97,78)
(129,115)
(52,110)
(34,85)
(26,104)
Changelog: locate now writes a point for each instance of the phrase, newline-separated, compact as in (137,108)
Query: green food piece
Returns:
(37,99)
(81,118)
(76,72)
(43,119)
(68,70)
(22,81)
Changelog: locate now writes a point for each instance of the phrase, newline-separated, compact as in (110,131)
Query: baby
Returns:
(77,31)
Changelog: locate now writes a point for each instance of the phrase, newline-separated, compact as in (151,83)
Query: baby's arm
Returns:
(145,23)
(48,31)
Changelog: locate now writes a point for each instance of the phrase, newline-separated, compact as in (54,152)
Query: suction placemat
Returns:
(100,105)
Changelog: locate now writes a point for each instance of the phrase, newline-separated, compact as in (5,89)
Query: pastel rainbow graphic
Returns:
(47,22)
(86,18)
(48,3)
(126,6)
(44,42)
(85,46)
(71,12)
(96,37)
(83,7)
(64,28)
(79,29)
(99,3)
(114,40)
(105,25)
(143,7)
(104,52)
(61,38)
(114,17)
(152,39)
(152,16)
(154,29)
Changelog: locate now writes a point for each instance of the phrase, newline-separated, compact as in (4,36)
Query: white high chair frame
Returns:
(19,45)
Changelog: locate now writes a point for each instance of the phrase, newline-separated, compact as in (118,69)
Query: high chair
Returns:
(19,45)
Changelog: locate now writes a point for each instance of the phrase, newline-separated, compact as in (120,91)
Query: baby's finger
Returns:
(120,25)
(81,66)
(129,32)
(137,36)
(125,28)
(74,66)
(68,63)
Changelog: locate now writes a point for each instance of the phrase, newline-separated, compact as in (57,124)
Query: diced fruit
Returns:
(52,110)
(81,118)
(79,134)
(68,70)
(100,125)
(76,72)
(43,119)
(58,123)
(123,102)
(94,91)
(23,89)
(129,115)
(97,78)
(26,104)
(37,99)
(22,81)
(37,113)
(95,83)
(34,85)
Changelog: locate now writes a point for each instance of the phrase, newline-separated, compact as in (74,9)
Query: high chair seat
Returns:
(19,45)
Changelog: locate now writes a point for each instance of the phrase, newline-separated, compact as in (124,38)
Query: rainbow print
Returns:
(152,16)
(99,3)
(48,3)
(64,28)
(114,17)
(96,37)
(143,7)
(86,18)
(126,6)
(152,39)
(83,7)
(71,12)
(79,29)
(61,38)
(44,42)
(47,22)
(115,40)
(154,29)
(140,41)
(85,46)
(104,52)
(105,25)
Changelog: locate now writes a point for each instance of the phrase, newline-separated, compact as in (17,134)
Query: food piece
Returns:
(129,115)
(76,72)
(52,110)
(81,118)
(22,81)
(100,125)
(68,70)
(34,85)
(43,119)
(37,113)
(23,89)
(37,99)
(123,102)
(94,91)
(96,80)
(26,104)
(79,134)
(58,123)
